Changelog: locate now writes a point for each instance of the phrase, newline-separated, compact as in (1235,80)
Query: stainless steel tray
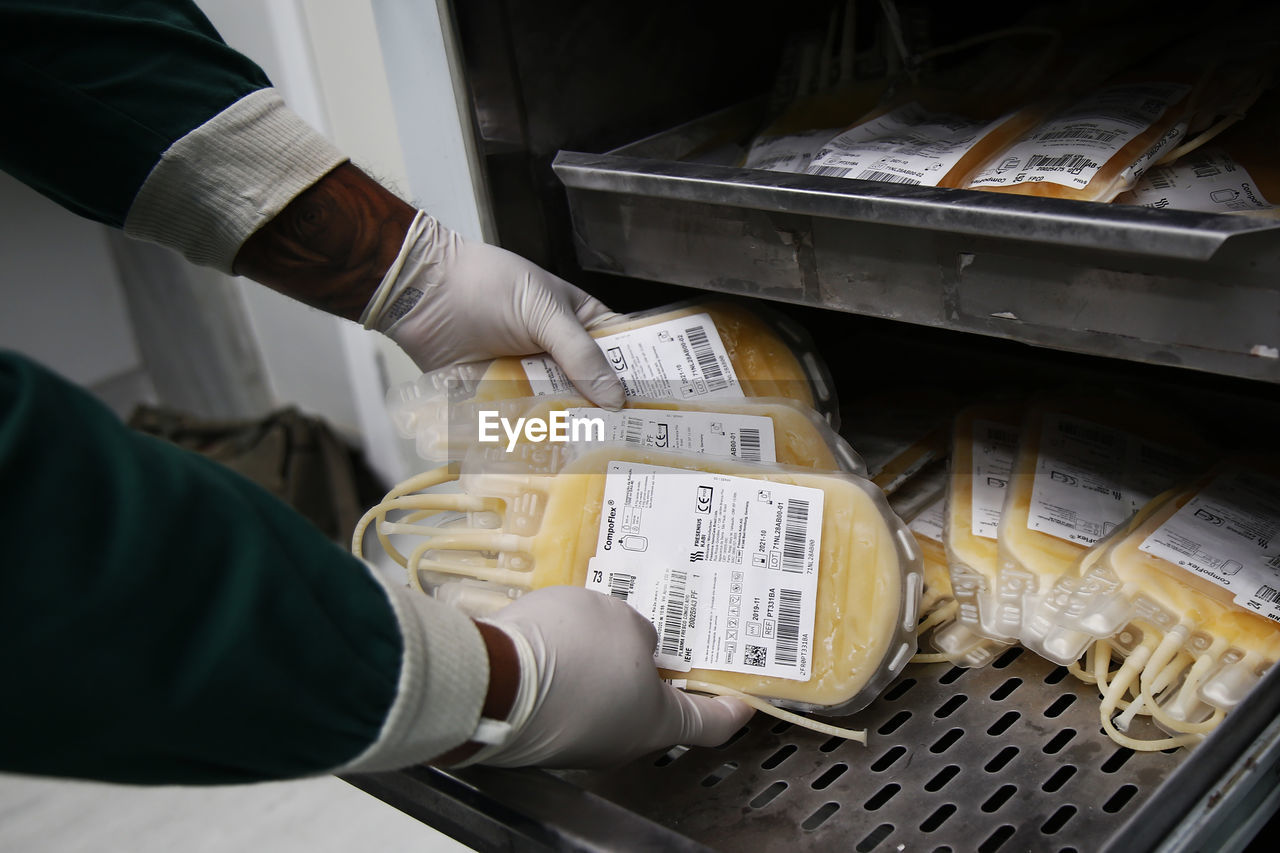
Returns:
(1009,757)
(1159,286)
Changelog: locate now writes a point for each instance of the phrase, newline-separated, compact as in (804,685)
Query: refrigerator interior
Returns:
(601,133)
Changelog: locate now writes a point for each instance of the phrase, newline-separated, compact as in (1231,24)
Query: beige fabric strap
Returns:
(443,681)
(229,177)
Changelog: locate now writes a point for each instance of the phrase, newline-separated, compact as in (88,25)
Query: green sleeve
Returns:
(168,621)
(97,90)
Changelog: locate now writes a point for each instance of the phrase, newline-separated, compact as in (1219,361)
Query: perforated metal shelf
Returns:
(1008,757)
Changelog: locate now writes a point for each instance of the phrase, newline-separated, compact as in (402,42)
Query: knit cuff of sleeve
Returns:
(227,178)
(444,676)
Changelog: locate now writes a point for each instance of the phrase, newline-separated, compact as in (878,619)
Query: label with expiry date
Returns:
(746,437)
(994,449)
(1071,148)
(1208,180)
(682,359)
(1227,533)
(1090,478)
(932,521)
(908,145)
(726,568)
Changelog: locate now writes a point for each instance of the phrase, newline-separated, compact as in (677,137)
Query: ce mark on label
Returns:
(616,359)
(704,499)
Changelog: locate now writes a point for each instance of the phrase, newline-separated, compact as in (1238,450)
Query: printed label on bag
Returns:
(1139,168)
(909,145)
(791,153)
(746,437)
(995,446)
(726,568)
(931,522)
(1071,148)
(1089,478)
(1206,180)
(1227,533)
(682,358)
(883,433)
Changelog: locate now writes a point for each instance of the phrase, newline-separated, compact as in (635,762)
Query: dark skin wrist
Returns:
(504,678)
(330,246)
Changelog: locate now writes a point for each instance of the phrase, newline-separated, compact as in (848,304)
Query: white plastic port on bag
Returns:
(1185,595)
(983,447)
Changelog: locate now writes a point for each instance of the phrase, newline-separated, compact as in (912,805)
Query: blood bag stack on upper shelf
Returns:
(1067,127)
(1236,172)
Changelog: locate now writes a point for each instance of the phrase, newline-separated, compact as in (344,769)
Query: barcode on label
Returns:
(749,444)
(1268,594)
(1204,167)
(1273,562)
(1097,435)
(1002,436)
(1091,133)
(706,358)
(831,171)
(1065,163)
(621,585)
(788,627)
(635,431)
(794,540)
(1161,179)
(888,177)
(673,623)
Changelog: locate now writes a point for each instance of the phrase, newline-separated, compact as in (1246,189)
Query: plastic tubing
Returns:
(859,735)
(937,617)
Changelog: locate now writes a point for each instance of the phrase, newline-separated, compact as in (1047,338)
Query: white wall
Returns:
(299,346)
(60,297)
(325,58)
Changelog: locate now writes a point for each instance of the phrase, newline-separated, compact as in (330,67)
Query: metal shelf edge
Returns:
(1137,231)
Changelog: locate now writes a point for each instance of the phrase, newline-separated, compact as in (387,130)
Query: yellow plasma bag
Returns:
(795,587)
(984,440)
(1085,464)
(1185,596)
(696,350)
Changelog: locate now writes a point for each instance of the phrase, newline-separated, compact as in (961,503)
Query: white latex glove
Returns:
(447,300)
(590,694)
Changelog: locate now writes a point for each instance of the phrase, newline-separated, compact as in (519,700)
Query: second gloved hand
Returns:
(591,695)
(449,300)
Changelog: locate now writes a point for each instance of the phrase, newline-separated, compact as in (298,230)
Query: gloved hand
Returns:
(590,694)
(447,300)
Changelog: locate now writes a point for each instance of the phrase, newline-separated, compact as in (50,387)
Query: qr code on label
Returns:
(755,655)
